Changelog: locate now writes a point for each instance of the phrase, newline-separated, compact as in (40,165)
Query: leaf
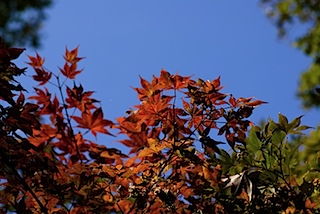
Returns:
(310,204)
(278,137)
(72,56)
(255,103)
(186,106)
(70,71)
(283,122)
(226,160)
(147,89)
(43,97)
(14,53)
(244,195)
(36,62)
(179,82)
(245,111)
(42,76)
(210,144)
(78,98)
(303,127)
(295,123)
(231,139)
(147,152)
(113,154)
(252,142)
(233,102)
(94,122)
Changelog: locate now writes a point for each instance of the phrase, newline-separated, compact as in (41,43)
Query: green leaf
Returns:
(278,137)
(259,157)
(283,122)
(290,156)
(269,157)
(272,126)
(225,157)
(226,161)
(303,127)
(294,123)
(268,177)
(253,143)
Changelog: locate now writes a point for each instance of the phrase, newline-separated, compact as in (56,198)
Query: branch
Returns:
(68,119)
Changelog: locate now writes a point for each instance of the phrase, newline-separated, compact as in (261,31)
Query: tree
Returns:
(175,163)
(304,13)
(21,21)
(285,14)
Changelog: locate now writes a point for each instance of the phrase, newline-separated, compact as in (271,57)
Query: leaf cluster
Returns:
(175,164)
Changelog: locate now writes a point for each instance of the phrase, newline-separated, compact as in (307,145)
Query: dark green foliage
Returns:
(21,21)
(305,13)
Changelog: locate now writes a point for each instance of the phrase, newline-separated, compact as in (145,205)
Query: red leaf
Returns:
(94,122)
(231,139)
(233,101)
(36,62)
(255,103)
(79,99)
(70,71)
(42,76)
(42,97)
(72,56)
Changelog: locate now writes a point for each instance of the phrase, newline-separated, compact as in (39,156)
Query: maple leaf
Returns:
(233,102)
(80,99)
(36,62)
(42,97)
(42,76)
(180,82)
(147,89)
(71,56)
(70,71)
(93,121)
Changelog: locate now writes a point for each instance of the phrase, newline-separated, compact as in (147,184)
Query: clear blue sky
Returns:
(124,39)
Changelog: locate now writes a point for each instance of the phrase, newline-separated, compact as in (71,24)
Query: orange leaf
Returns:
(93,121)
(146,152)
(243,195)
(309,204)
(130,162)
(255,103)
(125,205)
(72,56)
(147,89)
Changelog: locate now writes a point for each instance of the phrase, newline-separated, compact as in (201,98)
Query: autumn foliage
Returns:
(176,162)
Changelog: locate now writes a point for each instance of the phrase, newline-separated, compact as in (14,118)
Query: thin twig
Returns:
(68,120)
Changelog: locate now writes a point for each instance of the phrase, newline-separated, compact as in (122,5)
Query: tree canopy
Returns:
(21,21)
(175,163)
(191,147)
(305,13)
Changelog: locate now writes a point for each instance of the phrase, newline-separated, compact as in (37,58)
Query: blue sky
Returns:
(124,39)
